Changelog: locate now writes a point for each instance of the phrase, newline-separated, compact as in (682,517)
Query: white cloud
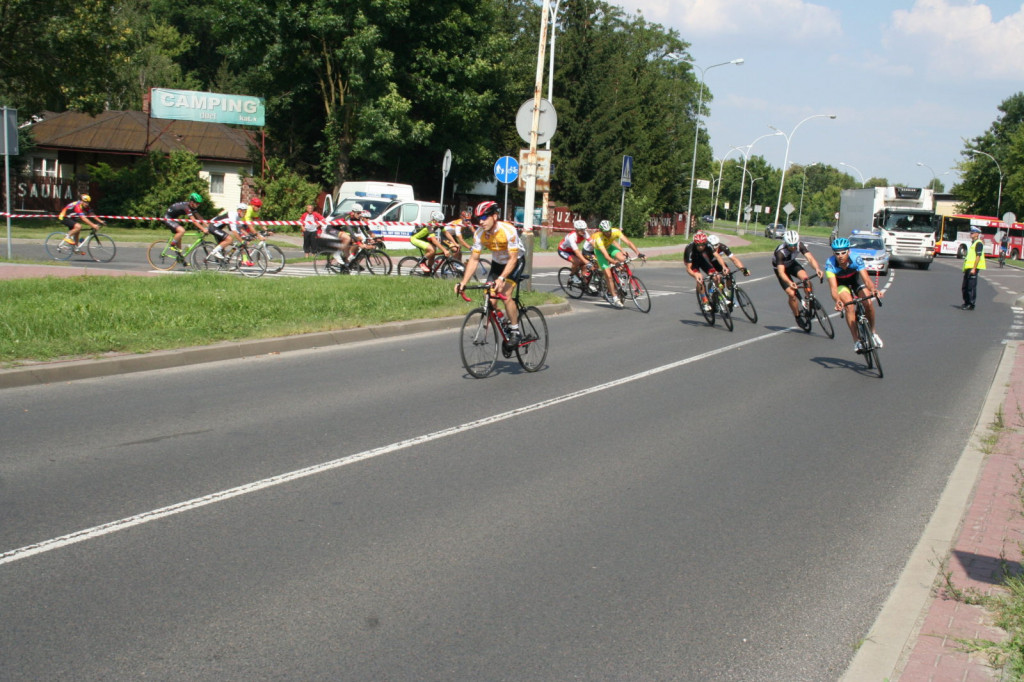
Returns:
(958,40)
(786,22)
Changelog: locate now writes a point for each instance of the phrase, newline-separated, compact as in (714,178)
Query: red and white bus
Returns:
(954,234)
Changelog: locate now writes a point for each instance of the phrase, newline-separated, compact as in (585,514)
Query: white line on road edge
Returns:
(174,509)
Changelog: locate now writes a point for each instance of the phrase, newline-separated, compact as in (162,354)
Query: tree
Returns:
(978,188)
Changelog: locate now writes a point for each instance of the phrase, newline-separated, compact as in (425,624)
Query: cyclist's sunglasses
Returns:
(842,253)
(478,220)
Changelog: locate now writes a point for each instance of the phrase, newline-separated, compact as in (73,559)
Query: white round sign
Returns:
(546,123)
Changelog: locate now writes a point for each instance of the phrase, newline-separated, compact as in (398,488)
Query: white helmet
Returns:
(242,207)
(713,239)
(356,207)
(605,226)
(579,224)
(791,238)
(437,216)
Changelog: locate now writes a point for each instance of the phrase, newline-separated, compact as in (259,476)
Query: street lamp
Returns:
(746,157)
(696,136)
(856,169)
(999,200)
(785,160)
(721,167)
(935,178)
(800,215)
(751,202)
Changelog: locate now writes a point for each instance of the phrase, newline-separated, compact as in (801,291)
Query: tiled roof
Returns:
(125,132)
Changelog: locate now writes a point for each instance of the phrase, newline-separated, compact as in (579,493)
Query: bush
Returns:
(285,193)
(151,184)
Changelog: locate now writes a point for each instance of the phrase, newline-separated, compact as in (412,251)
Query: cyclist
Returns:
(1004,246)
(233,221)
(847,279)
(787,268)
(427,240)
(184,209)
(571,248)
(507,258)
(722,249)
(608,253)
(700,258)
(452,237)
(347,233)
(76,213)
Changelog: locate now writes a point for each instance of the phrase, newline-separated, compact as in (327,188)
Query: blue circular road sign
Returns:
(506,169)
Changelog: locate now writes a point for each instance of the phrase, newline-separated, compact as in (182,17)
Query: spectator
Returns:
(312,222)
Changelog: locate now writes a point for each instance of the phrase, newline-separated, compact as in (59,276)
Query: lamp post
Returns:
(551,98)
(935,178)
(856,169)
(751,202)
(721,167)
(785,160)
(696,136)
(999,200)
(800,215)
(746,157)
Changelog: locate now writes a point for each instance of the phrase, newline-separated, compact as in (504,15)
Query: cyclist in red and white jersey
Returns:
(572,246)
(76,213)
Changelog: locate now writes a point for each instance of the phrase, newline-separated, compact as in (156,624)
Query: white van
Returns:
(373,195)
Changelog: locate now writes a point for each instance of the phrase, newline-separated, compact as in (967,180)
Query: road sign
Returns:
(542,172)
(627,171)
(446,165)
(506,169)
(547,122)
(789,208)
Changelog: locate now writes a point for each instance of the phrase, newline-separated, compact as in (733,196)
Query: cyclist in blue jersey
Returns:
(847,279)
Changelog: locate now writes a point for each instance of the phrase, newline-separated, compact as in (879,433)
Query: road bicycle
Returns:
(239,258)
(810,309)
(162,256)
(443,266)
(485,330)
(97,245)
(368,258)
(629,287)
(735,294)
(1002,256)
(868,348)
(273,254)
(586,282)
(717,303)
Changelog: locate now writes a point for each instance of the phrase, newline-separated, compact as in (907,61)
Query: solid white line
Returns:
(147,517)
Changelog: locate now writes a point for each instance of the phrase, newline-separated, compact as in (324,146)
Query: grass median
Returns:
(50,318)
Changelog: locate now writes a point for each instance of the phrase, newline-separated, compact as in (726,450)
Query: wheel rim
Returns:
(478,344)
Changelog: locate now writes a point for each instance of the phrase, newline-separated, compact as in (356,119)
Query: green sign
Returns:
(188,105)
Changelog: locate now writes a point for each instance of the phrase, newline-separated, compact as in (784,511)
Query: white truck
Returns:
(904,216)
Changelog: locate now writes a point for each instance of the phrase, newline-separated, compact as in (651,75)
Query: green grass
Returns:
(48,318)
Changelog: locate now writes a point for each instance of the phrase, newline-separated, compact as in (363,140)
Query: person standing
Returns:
(973,261)
(312,221)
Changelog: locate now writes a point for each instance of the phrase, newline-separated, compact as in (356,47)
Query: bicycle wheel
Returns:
(478,343)
(746,305)
(410,265)
(324,264)
(483,269)
(533,349)
(101,248)
(824,320)
(572,289)
(723,310)
(708,314)
(866,343)
(638,292)
(57,248)
(249,263)
(450,270)
(377,263)
(201,260)
(161,256)
(877,360)
(275,257)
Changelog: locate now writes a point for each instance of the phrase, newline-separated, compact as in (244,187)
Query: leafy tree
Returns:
(285,193)
(979,176)
(151,184)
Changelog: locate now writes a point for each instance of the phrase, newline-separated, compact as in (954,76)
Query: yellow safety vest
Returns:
(975,251)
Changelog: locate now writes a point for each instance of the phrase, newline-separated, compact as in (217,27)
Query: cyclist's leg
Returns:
(74,227)
(849,311)
(790,294)
(177,232)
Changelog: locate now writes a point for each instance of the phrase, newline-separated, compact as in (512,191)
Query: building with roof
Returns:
(67,143)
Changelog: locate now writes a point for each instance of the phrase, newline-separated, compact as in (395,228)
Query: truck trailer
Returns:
(904,216)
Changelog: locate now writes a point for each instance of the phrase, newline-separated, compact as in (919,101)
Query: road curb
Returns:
(72,370)
(892,636)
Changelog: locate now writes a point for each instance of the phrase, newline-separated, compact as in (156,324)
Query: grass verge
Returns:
(49,318)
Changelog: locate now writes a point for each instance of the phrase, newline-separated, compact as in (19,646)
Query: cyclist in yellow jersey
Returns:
(507,258)
(608,254)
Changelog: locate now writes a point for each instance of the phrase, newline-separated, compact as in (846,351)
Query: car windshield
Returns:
(374,206)
(909,222)
(868,243)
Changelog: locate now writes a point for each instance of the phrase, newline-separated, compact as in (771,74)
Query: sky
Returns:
(908,81)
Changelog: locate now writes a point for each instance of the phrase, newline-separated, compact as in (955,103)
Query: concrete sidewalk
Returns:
(976,531)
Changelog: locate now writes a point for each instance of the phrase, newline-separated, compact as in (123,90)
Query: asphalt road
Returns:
(663,500)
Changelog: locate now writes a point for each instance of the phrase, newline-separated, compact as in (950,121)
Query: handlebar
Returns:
(489,286)
(855,301)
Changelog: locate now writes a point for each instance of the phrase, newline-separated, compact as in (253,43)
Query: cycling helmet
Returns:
(841,244)
(242,207)
(466,214)
(714,239)
(485,209)
(356,208)
(257,202)
(605,226)
(700,238)
(437,216)
(579,225)
(791,237)
(196,197)
(86,198)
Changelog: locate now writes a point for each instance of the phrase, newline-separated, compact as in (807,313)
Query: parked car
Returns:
(871,248)
(774,231)
(707,218)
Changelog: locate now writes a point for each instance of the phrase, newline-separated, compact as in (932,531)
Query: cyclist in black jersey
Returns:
(787,268)
(187,210)
(699,257)
(847,279)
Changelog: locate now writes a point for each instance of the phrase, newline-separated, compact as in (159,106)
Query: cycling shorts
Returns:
(792,270)
(498,268)
(421,244)
(613,251)
(70,222)
(852,287)
(172,225)
(218,232)
(566,255)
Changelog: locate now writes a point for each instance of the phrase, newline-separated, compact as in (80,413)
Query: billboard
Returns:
(210,107)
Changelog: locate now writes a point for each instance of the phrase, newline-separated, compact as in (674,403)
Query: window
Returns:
(45,167)
(216,183)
